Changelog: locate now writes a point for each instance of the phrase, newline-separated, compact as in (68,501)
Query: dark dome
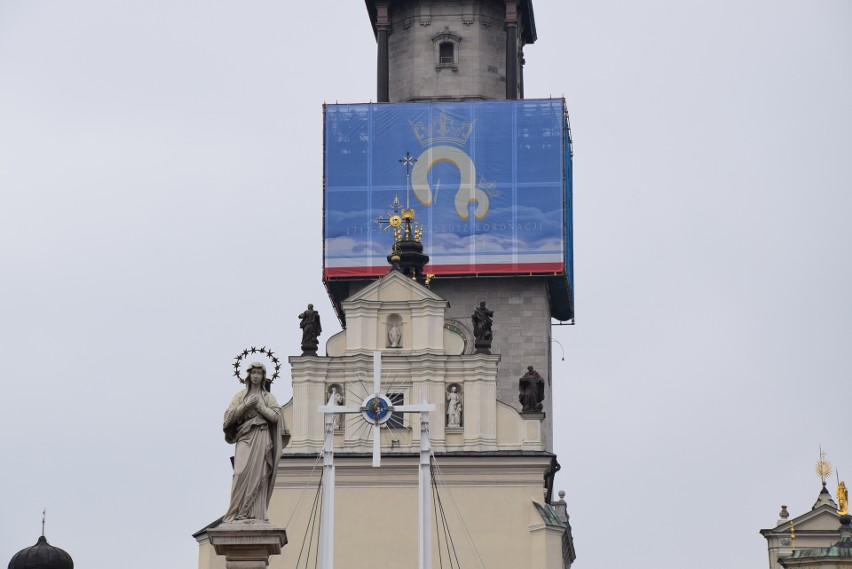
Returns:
(41,556)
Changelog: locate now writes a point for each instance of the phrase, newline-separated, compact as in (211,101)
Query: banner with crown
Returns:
(490,184)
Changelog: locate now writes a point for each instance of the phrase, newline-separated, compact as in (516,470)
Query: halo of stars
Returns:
(254,350)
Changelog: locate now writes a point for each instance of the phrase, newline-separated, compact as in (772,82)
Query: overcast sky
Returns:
(160,175)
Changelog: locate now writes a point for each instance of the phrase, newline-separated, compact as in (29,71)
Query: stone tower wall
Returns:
(521,330)
(479,72)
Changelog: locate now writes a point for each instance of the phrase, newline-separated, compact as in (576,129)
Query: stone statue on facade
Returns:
(253,423)
(335,398)
(531,391)
(394,335)
(311,329)
(482,320)
(454,407)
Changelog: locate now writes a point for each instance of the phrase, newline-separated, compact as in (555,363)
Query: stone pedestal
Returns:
(247,546)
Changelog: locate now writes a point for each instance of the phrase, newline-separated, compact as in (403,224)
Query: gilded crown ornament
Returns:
(401,221)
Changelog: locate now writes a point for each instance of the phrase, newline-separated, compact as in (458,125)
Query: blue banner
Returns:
(490,185)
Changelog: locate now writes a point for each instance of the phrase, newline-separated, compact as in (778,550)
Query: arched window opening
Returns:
(446,50)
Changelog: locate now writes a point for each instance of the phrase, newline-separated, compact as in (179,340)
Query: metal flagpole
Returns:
(424,541)
(377,387)
(327,514)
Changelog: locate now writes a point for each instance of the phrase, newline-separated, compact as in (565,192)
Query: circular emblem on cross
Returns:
(377,409)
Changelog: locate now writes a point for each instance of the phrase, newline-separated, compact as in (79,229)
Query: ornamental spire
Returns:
(407,250)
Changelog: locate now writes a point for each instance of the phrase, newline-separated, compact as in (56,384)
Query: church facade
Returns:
(493,478)
(448,304)
(818,538)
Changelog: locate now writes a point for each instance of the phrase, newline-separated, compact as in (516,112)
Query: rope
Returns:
(305,487)
(451,547)
(435,507)
(311,522)
(458,512)
(316,557)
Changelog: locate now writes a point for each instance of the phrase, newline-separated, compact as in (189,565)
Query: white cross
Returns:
(376,409)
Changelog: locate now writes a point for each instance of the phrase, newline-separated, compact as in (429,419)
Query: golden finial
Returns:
(391,220)
(793,534)
(823,467)
(428,279)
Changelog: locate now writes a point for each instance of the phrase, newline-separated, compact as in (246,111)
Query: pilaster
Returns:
(382,63)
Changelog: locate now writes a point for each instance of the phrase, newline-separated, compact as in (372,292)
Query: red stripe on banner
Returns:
(457,270)
(338,272)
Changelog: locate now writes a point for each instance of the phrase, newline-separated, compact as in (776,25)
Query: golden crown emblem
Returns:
(442,130)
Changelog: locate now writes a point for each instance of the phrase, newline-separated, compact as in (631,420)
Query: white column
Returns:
(424,542)
(377,388)
(327,516)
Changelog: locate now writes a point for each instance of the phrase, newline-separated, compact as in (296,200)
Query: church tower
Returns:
(451,50)
(447,253)
(518,255)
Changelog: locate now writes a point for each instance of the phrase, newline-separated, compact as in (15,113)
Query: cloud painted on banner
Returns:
(527,226)
(550,222)
(337,221)
(453,245)
(531,231)
(345,247)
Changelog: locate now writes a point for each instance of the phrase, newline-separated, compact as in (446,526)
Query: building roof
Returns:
(525,8)
(821,518)
(549,515)
(841,549)
(42,555)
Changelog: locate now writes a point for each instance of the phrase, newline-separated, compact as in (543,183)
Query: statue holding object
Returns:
(531,391)
(454,407)
(482,319)
(335,398)
(311,329)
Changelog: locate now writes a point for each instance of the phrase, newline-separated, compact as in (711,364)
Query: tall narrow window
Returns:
(446,53)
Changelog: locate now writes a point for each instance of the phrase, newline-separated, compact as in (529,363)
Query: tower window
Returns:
(446,50)
(446,53)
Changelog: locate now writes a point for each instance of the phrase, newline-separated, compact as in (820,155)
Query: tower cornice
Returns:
(525,14)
